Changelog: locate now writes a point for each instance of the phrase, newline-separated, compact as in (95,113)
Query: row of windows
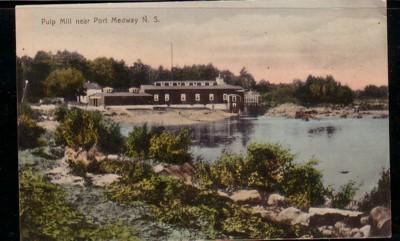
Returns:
(196,97)
(185,83)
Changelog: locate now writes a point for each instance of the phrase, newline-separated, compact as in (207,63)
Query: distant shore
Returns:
(293,111)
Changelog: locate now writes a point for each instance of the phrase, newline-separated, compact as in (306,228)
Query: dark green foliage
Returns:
(138,141)
(25,109)
(344,196)
(373,91)
(171,148)
(303,184)
(86,128)
(379,195)
(45,215)
(60,113)
(66,83)
(279,94)
(29,133)
(317,90)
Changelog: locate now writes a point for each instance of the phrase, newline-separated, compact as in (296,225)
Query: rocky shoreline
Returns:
(330,222)
(293,111)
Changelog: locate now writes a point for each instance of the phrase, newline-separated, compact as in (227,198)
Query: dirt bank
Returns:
(167,117)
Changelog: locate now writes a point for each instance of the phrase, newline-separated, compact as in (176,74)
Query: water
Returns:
(358,147)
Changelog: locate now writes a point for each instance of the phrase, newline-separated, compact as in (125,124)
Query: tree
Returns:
(67,83)
(246,80)
(263,86)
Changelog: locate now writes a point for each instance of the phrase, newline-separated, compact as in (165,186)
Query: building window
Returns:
(203,83)
(197,97)
(179,83)
(207,84)
(174,84)
(211,97)
(166,97)
(170,84)
(215,83)
(158,84)
(187,83)
(195,84)
(190,83)
(234,98)
(156,97)
(183,97)
(225,97)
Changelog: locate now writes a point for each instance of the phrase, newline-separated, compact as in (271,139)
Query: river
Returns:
(348,149)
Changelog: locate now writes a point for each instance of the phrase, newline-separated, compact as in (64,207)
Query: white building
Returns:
(91,89)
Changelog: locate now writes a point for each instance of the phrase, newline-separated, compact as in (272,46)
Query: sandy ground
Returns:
(167,117)
(289,111)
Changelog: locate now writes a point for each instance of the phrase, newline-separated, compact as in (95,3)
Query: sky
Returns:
(276,40)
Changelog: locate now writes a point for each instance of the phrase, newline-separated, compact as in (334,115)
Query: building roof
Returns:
(203,80)
(212,87)
(92,85)
(121,94)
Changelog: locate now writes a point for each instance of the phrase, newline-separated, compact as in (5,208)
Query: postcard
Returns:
(203,120)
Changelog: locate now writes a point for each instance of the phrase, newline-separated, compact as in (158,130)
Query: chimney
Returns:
(220,81)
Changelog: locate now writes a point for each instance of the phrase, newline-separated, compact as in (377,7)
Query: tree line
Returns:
(62,74)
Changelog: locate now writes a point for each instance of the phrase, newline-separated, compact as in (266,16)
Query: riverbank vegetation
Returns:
(203,205)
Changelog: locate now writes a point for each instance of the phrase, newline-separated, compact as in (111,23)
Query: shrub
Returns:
(170,148)
(86,128)
(303,184)
(29,132)
(60,113)
(25,109)
(379,195)
(45,215)
(343,197)
(138,141)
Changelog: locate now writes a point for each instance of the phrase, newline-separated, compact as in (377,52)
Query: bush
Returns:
(138,141)
(170,148)
(379,195)
(84,129)
(303,184)
(45,215)
(60,113)
(29,132)
(343,197)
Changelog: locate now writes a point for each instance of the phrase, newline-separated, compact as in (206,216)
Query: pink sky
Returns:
(275,40)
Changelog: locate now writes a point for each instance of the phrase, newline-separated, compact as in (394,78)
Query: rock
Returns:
(340,225)
(77,156)
(222,194)
(293,216)
(327,202)
(246,197)
(95,154)
(184,172)
(327,231)
(103,180)
(354,231)
(270,215)
(112,157)
(366,230)
(364,220)
(381,221)
(276,199)
(329,216)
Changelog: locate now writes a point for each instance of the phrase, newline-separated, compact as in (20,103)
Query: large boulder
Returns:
(293,216)
(184,172)
(329,216)
(268,214)
(381,221)
(276,200)
(247,197)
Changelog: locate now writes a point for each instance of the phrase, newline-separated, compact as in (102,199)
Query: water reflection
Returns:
(219,134)
(322,130)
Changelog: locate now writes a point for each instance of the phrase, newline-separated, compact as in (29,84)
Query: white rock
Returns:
(246,196)
(112,157)
(103,180)
(366,230)
(293,216)
(276,199)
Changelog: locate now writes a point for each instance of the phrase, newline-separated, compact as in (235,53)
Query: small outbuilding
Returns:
(120,98)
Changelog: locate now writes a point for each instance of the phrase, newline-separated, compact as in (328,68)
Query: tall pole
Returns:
(172,61)
(24,91)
